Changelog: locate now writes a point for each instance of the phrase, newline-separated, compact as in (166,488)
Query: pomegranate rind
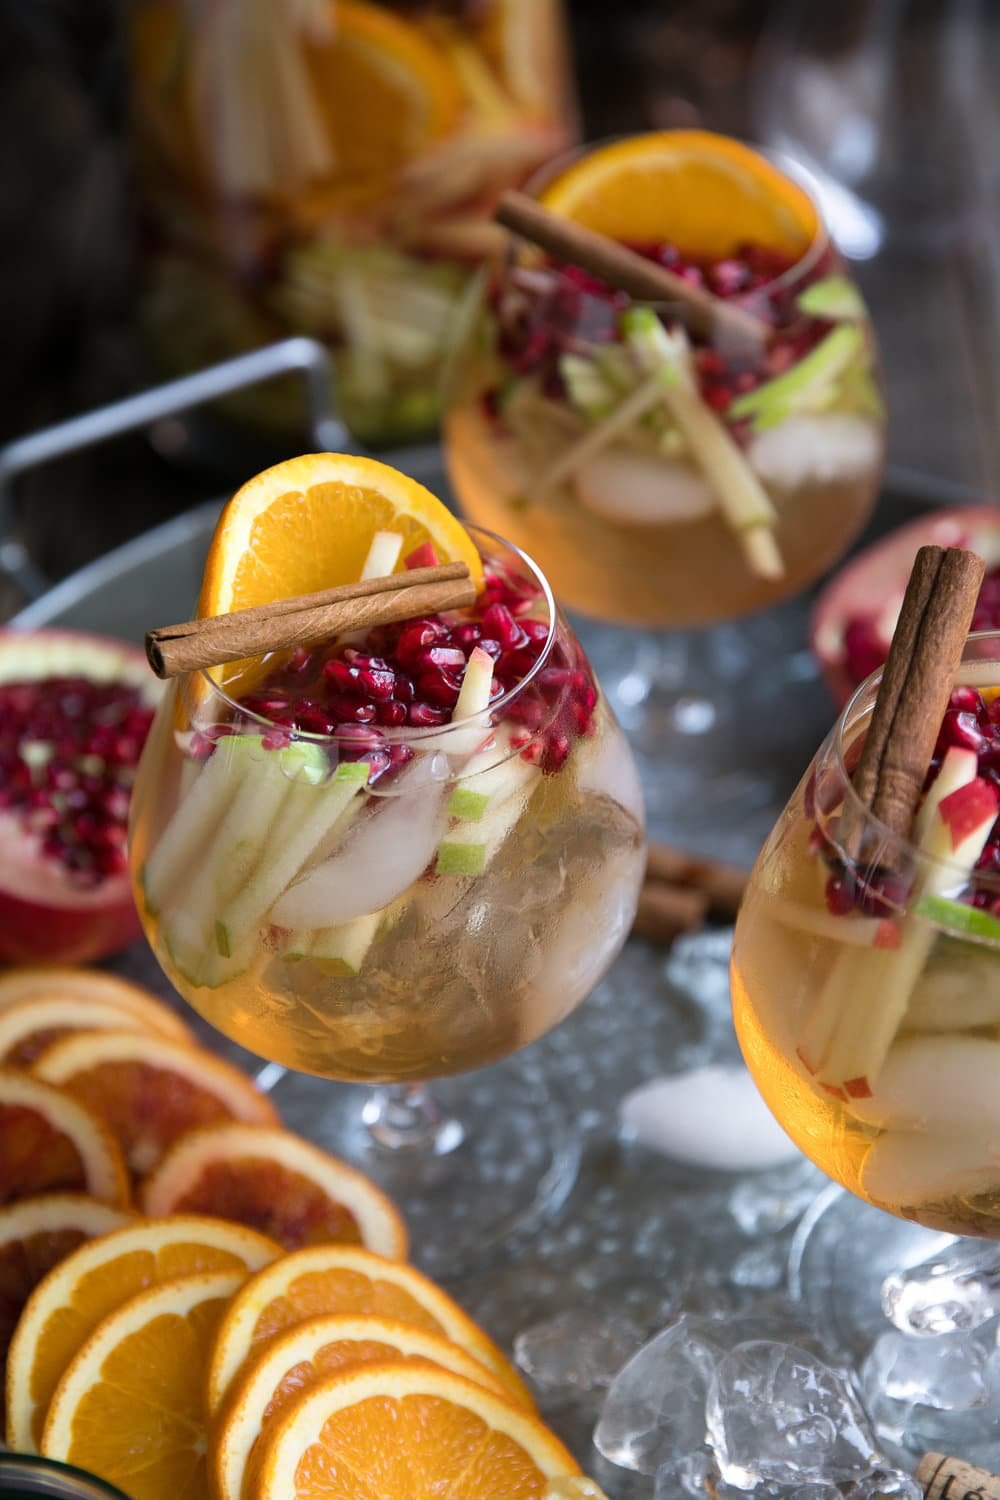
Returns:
(86,1065)
(874,580)
(42,914)
(101,1161)
(244,1148)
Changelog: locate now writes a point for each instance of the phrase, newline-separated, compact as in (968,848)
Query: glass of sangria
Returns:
(392,860)
(328,167)
(669,470)
(866,997)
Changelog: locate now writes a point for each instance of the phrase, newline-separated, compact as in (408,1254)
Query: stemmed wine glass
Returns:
(868,1009)
(393,907)
(669,476)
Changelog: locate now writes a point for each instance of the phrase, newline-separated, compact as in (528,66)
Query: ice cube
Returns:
(578,1349)
(762,1267)
(688,1475)
(816,1489)
(710,1117)
(887,1484)
(948,1373)
(958,1288)
(775,1412)
(655,1409)
(769,1203)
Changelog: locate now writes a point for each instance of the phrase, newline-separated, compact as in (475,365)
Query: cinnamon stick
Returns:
(916,683)
(308,619)
(722,884)
(947,1478)
(665,911)
(626,270)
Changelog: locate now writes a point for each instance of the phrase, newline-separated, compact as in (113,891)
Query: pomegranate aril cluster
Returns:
(69,748)
(410,676)
(541,315)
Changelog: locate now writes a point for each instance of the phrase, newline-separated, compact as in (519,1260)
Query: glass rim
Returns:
(854,713)
(48,1478)
(788,165)
(413,734)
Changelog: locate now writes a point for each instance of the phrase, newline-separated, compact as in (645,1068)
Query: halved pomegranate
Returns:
(74,714)
(856,613)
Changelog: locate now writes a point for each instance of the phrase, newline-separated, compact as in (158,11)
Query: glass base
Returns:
(473,1162)
(842,1252)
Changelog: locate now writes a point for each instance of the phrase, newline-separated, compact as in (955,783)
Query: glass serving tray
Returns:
(639,1235)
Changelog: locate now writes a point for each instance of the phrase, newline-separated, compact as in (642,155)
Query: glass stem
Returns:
(405,1117)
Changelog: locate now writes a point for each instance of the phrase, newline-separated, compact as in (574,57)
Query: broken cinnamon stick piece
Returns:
(665,911)
(723,884)
(916,684)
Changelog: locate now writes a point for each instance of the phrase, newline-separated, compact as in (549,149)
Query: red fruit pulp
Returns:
(69,746)
(410,676)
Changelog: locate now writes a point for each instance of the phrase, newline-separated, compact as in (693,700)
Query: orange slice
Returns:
(703,192)
(307,524)
(335,1279)
(129,1408)
(149,1090)
(407,1432)
(385,91)
(53,1142)
(28,1028)
(65,1308)
(35,1235)
(300,1359)
(90,985)
(278,1183)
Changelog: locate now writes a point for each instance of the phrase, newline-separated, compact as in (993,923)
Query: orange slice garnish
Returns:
(300,1359)
(701,191)
(406,1431)
(334,1279)
(308,523)
(69,1303)
(65,982)
(129,1407)
(278,1183)
(35,1235)
(52,1142)
(149,1090)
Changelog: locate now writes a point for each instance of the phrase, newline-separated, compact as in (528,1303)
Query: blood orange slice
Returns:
(98,986)
(278,1183)
(53,1142)
(149,1090)
(35,1235)
(30,1027)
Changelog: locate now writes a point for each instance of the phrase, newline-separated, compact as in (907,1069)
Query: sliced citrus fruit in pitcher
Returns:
(278,1183)
(85,985)
(703,192)
(35,1235)
(385,91)
(407,1432)
(31,1026)
(52,1142)
(308,523)
(68,1304)
(299,1359)
(128,1408)
(150,1090)
(335,1279)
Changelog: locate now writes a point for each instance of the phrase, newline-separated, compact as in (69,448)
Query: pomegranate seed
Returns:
(422,715)
(391,714)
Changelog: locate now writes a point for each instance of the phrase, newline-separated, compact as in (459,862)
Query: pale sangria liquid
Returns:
(867,1004)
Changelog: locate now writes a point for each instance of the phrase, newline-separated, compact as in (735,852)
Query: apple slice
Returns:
(341,950)
(958,768)
(383,555)
(469,847)
(473,702)
(864,1000)
(904,1169)
(383,854)
(311,814)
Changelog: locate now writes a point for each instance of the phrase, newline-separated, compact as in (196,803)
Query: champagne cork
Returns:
(945,1478)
